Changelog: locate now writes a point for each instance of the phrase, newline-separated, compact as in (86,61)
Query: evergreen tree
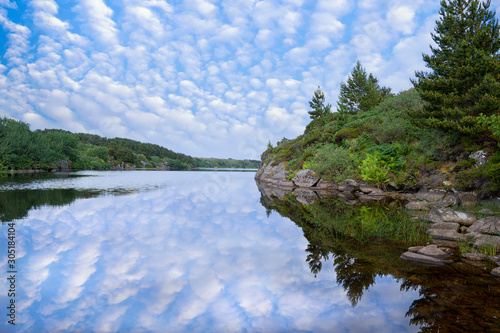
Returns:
(317,104)
(361,92)
(465,76)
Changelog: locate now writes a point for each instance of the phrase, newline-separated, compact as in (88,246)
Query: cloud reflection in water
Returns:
(185,257)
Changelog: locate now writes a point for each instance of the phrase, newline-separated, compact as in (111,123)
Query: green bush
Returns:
(333,163)
(346,133)
(373,169)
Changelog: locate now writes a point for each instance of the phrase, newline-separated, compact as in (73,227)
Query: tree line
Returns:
(461,90)
(23,149)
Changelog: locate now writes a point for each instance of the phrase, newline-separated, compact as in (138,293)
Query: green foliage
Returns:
(361,92)
(464,80)
(333,163)
(317,104)
(345,133)
(492,123)
(373,169)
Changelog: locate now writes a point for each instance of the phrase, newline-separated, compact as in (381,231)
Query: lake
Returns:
(206,251)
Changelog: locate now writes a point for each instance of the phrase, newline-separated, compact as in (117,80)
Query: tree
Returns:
(317,105)
(361,92)
(465,77)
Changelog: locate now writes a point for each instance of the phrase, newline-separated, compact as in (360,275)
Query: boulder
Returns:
(496,272)
(445,234)
(430,195)
(415,249)
(327,185)
(417,205)
(489,225)
(448,215)
(326,194)
(375,196)
(479,156)
(486,241)
(423,259)
(348,198)
(467,199)
(433,251)
(446,226)
(367,188)
(486,211)
(349,185)
(474,256)
(306,178)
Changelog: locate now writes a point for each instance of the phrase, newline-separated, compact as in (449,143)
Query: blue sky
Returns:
(201,77)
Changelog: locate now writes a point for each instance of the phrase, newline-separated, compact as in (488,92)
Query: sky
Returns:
(202,77)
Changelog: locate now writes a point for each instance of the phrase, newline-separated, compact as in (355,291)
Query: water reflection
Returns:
(196,254)
(453,298)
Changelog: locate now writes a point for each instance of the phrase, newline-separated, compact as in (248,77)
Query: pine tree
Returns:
(317,104)
(465,76)
(361,92)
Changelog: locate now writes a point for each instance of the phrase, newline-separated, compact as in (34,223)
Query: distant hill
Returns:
(23,149)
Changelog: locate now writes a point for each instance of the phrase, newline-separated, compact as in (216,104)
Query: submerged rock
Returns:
(496,272)
(474,256)
(423,259)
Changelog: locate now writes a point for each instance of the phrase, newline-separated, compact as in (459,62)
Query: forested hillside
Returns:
(23,149)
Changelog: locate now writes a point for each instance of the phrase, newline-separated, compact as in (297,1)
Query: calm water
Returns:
(205,251)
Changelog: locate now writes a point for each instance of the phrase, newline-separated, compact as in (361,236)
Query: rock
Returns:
(467,199)
(446,226)
(323,184)
(495,259)
(348,198)
(286,183)
(417,205)
(489,225)
(306,178)
(375,196)
(430,195)
(463,229)
(445,234)
(415,249)
(450,200)
(348,185)
(487,241)
(367,188)
(486,211)
(496,272)
(281,175)
(305,197)
(433,251)
(474,256)
(326,194)
(479,156)
(423,259)
(448,215)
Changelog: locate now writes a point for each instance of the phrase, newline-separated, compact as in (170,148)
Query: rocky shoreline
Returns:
(456,235)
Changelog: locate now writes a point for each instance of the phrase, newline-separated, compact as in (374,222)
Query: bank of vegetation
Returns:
(23,149)
(447,125)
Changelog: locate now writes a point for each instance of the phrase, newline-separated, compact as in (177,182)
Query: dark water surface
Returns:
(205,251)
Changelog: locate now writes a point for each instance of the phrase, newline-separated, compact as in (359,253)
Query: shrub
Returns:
(333,163)
(373,169)
(346,133)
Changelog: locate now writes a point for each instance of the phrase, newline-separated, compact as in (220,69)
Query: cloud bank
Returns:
(206,78)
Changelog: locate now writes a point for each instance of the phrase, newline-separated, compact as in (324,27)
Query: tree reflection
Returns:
(453,298)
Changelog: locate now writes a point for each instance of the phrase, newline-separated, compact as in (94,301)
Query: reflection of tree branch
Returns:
(314,258)
(355,275)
